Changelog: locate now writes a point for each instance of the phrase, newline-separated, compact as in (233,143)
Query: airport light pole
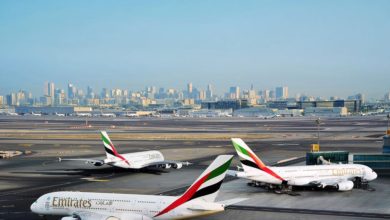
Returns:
(318,121)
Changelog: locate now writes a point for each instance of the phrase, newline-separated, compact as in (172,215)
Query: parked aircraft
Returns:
(198,200)
(339,176)
(136,160)
(36,114)
(80,114)
(110,115)
(60,114)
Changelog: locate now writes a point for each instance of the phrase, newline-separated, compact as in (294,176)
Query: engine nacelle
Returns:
(69,218)
(177,165)
(345,186)
(166,166)
(98,164)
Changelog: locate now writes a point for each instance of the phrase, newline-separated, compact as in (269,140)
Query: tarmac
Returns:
(25,178)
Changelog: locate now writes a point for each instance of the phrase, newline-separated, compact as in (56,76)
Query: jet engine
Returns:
(70,218)
(166,166)
(345,186)
(98,164)
(177,165)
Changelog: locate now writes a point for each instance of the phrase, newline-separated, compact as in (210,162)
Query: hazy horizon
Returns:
(327,48)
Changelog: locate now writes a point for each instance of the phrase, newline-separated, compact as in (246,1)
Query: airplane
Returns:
(12,113)
(338,176)
(36,114)
(198,200)
(112,115)
(138,160)
(131,115)
(60,114)
(79,114)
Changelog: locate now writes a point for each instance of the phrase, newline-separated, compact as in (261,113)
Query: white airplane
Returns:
(60,114)
(339,176)
(80,114)
(136,160)
(12,113)
(110,115)
(36,114)
(198,200)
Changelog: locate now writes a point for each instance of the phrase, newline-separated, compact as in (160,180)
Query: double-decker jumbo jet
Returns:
(136,160)
(339,176)
(198,200)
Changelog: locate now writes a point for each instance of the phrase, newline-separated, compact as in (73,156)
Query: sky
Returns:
(320,48)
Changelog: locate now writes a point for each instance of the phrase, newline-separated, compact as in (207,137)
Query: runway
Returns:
(25,178)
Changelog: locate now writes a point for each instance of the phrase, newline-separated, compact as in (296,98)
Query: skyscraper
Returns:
(281,93)
(71,91)
(234,92)
(209,91)
(49,89)
(189,88)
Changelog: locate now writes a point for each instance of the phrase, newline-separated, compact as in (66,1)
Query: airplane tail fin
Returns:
(206,187)
(250,162)
(109,146)
(248,159)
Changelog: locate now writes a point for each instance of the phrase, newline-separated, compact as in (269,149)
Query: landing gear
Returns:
(362,184)
(278,189)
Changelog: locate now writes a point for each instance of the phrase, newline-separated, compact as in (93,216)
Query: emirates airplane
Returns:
(198,200)
(339,176)
(138,160)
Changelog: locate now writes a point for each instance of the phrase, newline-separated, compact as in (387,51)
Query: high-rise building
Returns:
(189,88)
(202,95)
(90,93)
(209,91)
(234,92)
(49,89)
(12,99)
(59,97)
(281,93)
(2,100)
(71,91)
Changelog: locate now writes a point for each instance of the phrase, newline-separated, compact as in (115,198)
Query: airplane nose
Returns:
(374,175)
(33,207)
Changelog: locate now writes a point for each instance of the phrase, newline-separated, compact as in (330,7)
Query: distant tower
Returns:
(71,91)
(209,91)
(49,89)
(234,92)
(281,93)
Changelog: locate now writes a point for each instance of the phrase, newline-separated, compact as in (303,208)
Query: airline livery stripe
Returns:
(220,170)
(250,164)
(207,190)
(109,151)
(186,196)
(257,161)
(112,150)
(194,189)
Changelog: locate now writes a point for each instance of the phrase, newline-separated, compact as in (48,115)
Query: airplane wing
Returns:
(230,202)
(85,215)
(86,160)
(336,182)
(168,164)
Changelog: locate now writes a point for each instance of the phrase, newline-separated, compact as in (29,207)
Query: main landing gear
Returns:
(278,189)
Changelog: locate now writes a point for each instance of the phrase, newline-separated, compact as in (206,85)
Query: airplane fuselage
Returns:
(304,175)
(123,206)
(136,160)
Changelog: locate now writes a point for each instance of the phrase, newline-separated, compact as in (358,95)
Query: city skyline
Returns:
(329,48)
